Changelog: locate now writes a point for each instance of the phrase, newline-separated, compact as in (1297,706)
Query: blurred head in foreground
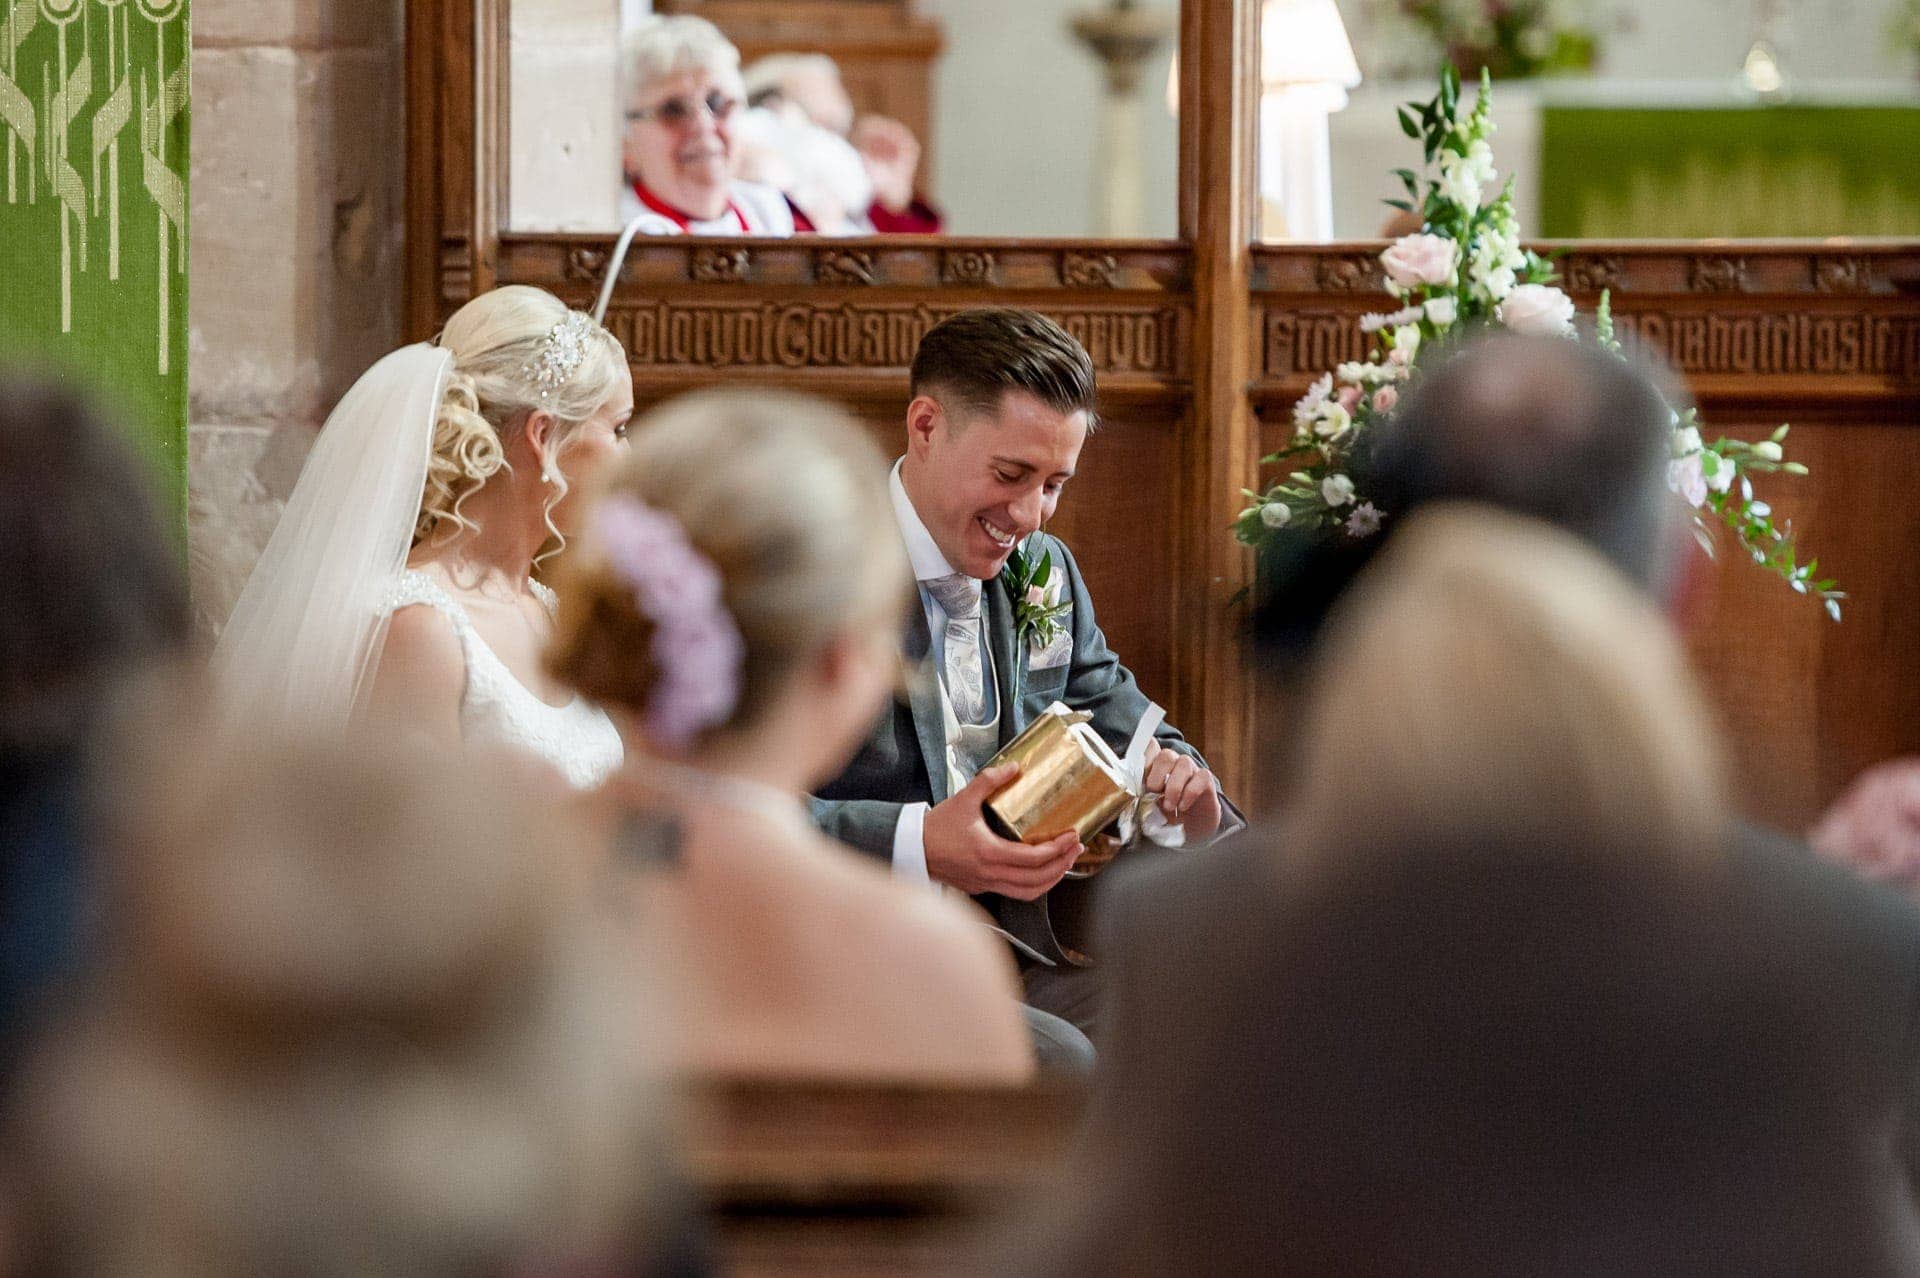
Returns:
(1566,433)
(352,1017)
(95,586)
(94,594)
(1493,674)
(1501,1005)
(752,524)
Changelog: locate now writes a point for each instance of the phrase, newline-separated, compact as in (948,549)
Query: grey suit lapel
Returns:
(1006,658)
(923,700)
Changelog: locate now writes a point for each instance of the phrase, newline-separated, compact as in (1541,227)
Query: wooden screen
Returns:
(1199,340)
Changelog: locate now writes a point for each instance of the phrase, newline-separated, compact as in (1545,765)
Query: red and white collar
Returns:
(683,220)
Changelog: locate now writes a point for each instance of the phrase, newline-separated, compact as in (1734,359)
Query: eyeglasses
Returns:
(678,112)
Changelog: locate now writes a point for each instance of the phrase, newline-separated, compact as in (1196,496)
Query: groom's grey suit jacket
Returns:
(904,758)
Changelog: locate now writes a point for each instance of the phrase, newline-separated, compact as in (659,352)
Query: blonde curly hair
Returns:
(493,340)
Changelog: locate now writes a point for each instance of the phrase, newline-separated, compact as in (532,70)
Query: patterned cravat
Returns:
(959,597)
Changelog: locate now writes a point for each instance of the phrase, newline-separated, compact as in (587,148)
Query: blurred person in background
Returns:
(736,604)
(684,94)
(807,86)
(376,1019)
(399,581)
(1503,995)
(95,594)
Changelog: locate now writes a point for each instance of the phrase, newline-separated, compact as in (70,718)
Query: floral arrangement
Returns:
(1509,39)
(1466,265)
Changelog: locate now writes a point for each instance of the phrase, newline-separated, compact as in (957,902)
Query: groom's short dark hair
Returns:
(971,359)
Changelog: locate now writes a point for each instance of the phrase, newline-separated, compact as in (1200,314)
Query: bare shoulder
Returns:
(422,672)
(421,640)
(940,935)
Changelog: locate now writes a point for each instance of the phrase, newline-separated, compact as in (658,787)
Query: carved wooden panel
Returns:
(1189,337)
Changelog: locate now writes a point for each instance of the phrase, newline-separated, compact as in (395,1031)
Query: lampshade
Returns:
(1304,42)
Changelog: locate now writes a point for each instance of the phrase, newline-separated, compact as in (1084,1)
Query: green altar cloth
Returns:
(94,132)
(1740,171)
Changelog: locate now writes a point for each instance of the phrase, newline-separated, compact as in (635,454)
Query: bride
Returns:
(399,581)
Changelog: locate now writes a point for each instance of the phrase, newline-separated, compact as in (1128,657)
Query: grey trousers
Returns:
(1063,1012)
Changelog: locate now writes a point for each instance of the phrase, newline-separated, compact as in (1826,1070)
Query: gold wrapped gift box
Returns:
(1070,779)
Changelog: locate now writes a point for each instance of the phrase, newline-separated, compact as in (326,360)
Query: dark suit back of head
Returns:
(1557,430)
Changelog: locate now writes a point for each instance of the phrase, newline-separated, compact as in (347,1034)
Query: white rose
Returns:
(1442,311)
(1539,310)
(1337,490)
(1275,514)
(1415,260)
(1407,338)
(1686,440)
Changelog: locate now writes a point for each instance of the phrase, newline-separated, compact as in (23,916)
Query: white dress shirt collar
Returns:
(928,563)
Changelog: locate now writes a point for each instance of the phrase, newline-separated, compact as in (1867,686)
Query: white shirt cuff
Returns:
(909,845)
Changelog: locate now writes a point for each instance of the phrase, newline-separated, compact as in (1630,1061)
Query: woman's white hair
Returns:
(662,46)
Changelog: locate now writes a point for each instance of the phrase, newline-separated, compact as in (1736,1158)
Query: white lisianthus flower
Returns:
(1686,440)
(1336,490)
(1538,310)
(1407,338)
(1767,450)
(1441,311)
(1364,521)
(1334,421)
(1420,259)
(1275,514)
(1684,477)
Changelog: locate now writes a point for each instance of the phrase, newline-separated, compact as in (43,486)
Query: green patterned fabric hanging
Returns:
(94,131)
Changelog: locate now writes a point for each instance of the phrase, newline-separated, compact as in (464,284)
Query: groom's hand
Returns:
(963,850)
(1187,793)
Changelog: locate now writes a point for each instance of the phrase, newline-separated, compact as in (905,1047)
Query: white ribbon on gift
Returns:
(1153,823)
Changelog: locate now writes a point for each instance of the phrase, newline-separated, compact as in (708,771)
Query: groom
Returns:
(1002,401)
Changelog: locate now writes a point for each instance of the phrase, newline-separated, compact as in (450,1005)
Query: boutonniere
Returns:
(1035,589)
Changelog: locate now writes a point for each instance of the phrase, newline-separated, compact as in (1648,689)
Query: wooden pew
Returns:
(860,1178)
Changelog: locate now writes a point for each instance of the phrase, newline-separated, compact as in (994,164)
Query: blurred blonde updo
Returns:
(488,396)
(787,497)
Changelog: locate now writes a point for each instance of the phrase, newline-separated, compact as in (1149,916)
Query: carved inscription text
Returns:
(1312,342)
(795,335)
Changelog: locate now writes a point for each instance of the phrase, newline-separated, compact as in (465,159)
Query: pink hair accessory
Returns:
(696,645)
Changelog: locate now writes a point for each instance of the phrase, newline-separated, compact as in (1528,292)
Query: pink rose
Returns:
(1036,596)
(1414,260)
(1350,398)
(1384,399)
(1539,310)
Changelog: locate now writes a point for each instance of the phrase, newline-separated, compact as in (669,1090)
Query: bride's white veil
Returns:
(307,630)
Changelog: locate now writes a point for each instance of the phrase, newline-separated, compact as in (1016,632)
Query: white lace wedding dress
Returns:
(577,738)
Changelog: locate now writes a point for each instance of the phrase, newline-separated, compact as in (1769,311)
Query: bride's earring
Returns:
(548,474)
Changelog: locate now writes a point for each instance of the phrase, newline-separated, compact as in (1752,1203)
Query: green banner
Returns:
(94,132)
(1698,173)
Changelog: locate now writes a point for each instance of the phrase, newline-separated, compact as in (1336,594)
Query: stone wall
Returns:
(298,171)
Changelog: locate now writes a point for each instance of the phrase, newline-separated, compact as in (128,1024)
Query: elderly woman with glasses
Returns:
(684,94)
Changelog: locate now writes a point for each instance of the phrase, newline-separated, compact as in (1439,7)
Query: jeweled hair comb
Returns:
(560,353)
